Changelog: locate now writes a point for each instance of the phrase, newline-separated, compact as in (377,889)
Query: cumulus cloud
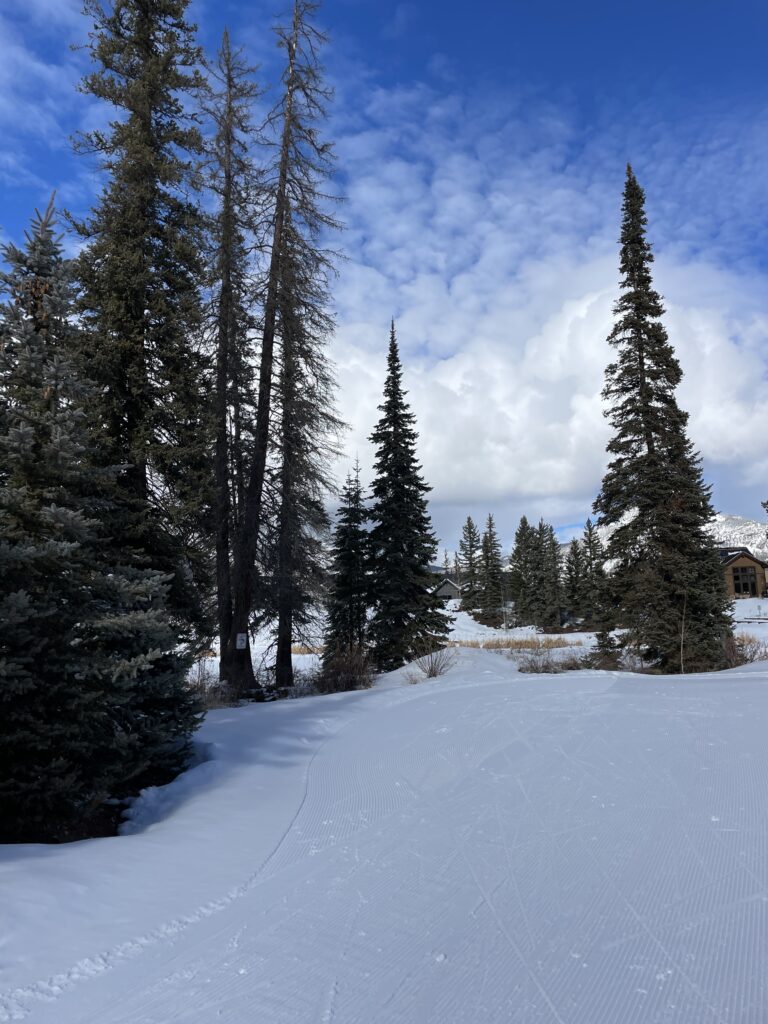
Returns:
(486,222)
(491,237)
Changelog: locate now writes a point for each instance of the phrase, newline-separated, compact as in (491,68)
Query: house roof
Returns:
(444,580)
(730,554)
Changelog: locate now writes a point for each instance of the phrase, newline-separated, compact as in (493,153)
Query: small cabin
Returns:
(447,589)
(745,575)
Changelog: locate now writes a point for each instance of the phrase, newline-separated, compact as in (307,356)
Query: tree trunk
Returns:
(237,651)
(223,359)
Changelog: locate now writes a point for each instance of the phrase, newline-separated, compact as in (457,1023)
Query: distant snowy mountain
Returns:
(738,532)
(729,531)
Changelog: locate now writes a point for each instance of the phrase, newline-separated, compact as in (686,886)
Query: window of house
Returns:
(745,581)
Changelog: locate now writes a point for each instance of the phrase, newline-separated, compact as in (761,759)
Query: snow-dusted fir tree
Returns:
(348,596)
(666,580)
(407,620)
(469,563)
(491,578)
(92,695)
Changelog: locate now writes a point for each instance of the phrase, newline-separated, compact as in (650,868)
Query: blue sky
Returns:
(481,156)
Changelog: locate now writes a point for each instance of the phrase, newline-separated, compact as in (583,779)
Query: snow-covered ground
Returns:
(588,848)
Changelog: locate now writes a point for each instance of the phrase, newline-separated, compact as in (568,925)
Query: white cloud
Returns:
(496,251)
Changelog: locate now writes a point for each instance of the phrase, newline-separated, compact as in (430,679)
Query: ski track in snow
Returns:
(489,847)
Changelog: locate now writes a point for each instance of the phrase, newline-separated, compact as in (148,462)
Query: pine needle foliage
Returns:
(141,272)
(667,584)
(92,690)
(522,568)
(347,603)
(469,564)
(491,577)
(407,621)
(574,579)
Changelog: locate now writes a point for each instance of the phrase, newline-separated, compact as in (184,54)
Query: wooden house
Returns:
(745,575)
(447,589)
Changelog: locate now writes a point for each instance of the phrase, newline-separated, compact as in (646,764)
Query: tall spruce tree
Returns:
(593,594)
(141,274)
(93,700)
(407,620)
(233,180)
(491,576)
(297,266)
(545,598)
(522,570)
(305,444)
(667,582)
(469,563)
(347,602)
(575,579)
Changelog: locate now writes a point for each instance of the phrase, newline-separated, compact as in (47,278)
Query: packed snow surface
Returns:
(588,848)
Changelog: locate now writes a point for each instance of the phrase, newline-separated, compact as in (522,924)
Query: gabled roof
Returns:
(443,581)
(730,554)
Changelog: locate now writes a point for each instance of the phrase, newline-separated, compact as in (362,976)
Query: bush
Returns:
(744,649)
(344,670)
(204,683)
(542,660)
(432,664)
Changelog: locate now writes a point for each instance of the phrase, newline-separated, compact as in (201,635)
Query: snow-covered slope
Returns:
(738,532)
(728,530)
(487,848)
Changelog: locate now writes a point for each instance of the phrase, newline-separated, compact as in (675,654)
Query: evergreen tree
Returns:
(667,579)
(233,180)
(348,597)
(305,444)
(469,562)
(141,275)
(593,597)
(575,579)
(522,569)
(545,597)
(407,619)
(93,700)
(296,274)
(491,577)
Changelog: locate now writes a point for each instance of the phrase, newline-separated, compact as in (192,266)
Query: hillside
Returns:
(737,531)
(728,530)
(487,847)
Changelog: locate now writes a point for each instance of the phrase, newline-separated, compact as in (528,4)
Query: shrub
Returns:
(744,649)
(204,682)
(541,660)
(431,664)
(344,670)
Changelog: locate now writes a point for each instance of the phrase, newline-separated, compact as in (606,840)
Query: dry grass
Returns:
(307,649)
(526,643)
